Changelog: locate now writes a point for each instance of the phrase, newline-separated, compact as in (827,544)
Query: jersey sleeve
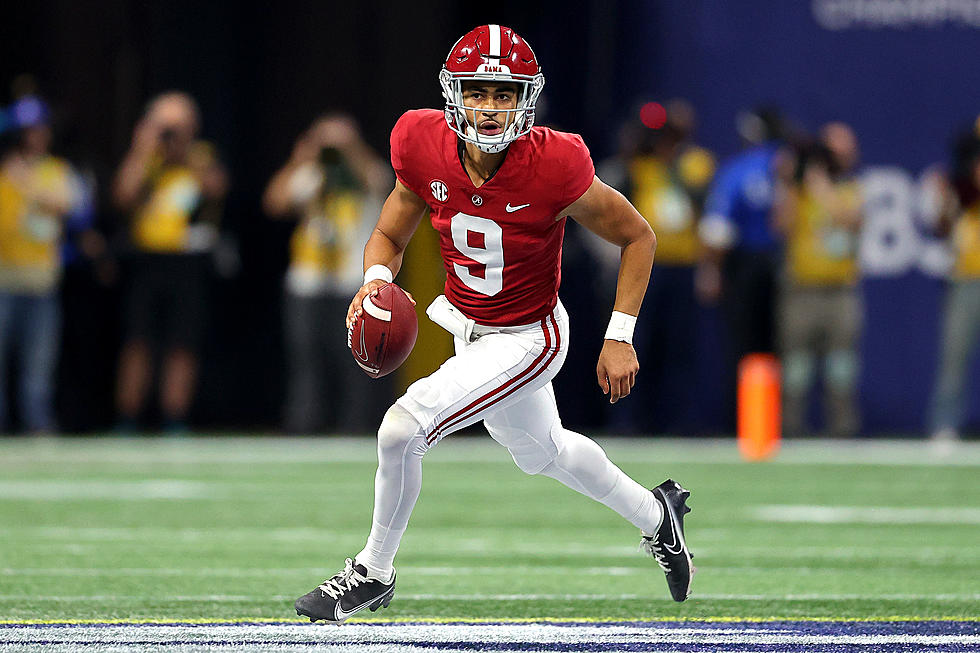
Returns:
(578,167)
(401,153)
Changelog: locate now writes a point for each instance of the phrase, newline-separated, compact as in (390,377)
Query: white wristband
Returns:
(621,327)
(378,272)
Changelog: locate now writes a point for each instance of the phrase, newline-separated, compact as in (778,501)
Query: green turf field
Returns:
(235,529)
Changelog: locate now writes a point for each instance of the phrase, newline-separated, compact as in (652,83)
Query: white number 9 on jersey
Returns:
(491,255)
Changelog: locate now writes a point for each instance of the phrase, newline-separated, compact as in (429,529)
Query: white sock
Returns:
(401,445)
(583,466)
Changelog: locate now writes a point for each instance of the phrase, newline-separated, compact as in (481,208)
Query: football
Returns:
(382,337)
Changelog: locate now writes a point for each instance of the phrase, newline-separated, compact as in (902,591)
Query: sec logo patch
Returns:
(439,190)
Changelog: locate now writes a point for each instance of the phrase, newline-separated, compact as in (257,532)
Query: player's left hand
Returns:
(617,369)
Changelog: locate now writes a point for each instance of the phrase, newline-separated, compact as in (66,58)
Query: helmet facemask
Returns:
(517,122)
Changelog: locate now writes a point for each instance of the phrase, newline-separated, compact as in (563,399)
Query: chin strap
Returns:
(491,148)
(470,135)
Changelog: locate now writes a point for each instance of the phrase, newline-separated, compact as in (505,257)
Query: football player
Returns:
(499,191)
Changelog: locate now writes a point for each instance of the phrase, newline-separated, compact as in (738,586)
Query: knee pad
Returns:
(530,453)
(797,371)
(397,428)
(841,370)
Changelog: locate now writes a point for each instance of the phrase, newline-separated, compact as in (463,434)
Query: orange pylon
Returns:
(759,407)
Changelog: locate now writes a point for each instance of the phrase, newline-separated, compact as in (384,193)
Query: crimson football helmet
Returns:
(497,53)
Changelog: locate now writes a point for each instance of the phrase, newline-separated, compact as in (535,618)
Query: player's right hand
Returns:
(370,288)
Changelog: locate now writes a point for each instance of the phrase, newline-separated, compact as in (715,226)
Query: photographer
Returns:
(959,222)
(172,186)
(333,184)
(820,312)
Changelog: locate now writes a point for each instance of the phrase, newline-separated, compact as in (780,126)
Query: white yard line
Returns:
(517,637)
(696,596)
(154,533)
(822,514)
(86,489)
(232,572)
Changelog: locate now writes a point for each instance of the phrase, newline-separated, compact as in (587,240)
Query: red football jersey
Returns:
(501,242)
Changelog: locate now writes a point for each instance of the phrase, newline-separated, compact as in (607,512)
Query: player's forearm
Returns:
(635,265)
(400,216)
(382,250)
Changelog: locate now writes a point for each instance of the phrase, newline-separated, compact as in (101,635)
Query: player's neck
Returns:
(480,165)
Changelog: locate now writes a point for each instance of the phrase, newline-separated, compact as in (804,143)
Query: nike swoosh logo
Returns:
(676,547)
(362,354)
(342,615)
(511,209)
(670,547)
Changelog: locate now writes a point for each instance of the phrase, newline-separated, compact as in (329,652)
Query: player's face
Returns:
(486,105)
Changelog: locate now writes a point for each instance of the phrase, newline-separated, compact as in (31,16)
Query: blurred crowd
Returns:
(769,237)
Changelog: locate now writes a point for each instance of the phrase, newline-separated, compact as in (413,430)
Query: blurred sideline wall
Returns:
(898,72)
(903,78)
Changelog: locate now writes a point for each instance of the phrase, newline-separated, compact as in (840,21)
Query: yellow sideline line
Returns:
(465,620)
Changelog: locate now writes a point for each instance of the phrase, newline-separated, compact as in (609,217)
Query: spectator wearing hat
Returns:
(37,193)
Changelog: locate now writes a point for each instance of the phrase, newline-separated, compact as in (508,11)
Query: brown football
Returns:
(382,337)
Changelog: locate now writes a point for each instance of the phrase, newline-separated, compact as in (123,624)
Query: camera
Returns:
(330,156)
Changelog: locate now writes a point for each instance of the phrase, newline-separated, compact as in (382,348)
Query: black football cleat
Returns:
(348,592)
(667,545)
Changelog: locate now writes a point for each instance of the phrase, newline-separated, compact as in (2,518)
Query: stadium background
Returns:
(899,72)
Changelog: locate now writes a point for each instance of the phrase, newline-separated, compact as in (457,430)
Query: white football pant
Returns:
(504,378)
